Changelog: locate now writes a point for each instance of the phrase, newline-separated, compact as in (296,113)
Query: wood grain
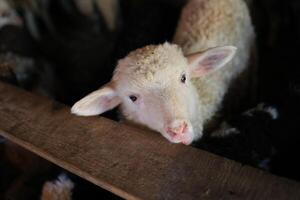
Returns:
(132,163)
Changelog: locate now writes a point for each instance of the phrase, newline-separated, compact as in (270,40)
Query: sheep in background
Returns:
(176,95)
(247,137)
(108,8)
(60,189)
(36,11)
(9,62)
(36,75)
(8,16)
(22,169)
(15,67)
(20,65)
(31,10)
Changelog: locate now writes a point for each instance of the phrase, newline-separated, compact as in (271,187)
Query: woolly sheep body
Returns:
(209,23)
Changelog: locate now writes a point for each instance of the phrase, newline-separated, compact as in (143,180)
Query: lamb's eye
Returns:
(132,98)
(183,78)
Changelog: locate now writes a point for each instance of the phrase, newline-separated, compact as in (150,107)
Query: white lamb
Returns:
(176,89)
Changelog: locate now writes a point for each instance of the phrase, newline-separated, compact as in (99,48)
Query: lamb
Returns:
(177,89)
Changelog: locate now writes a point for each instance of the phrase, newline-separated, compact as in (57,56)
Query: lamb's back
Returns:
(209,23)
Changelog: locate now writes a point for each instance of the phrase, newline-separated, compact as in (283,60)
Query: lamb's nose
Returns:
(178,127)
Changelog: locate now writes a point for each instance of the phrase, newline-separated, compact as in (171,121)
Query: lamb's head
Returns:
(8,16)
(153,87)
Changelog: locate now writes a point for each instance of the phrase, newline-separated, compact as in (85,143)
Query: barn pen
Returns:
(53,53)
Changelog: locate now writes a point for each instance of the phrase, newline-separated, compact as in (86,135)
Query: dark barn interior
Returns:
(68,54)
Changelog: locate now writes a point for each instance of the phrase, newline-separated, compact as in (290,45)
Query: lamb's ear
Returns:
(97,102)
(210,60)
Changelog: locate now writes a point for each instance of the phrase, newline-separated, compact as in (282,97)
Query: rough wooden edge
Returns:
(65,165)
(129,162)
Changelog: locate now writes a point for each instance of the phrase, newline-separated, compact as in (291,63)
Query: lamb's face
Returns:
(155,90)
(153,86)
(8,16)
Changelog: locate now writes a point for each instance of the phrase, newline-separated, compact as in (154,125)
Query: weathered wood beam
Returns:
(132,163)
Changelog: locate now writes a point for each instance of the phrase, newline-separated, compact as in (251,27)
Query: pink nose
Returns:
(178,128)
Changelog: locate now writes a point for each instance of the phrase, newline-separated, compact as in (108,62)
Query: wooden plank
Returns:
(132,163)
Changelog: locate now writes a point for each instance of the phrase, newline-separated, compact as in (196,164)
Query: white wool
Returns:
(262,107)
(60,189)
(209,23)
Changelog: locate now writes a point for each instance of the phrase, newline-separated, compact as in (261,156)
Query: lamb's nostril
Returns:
(171,132)
(184,127)
(180,129)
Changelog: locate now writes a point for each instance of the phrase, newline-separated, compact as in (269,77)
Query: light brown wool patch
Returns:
(148,60)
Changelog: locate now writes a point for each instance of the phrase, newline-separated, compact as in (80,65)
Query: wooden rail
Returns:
(132,163)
